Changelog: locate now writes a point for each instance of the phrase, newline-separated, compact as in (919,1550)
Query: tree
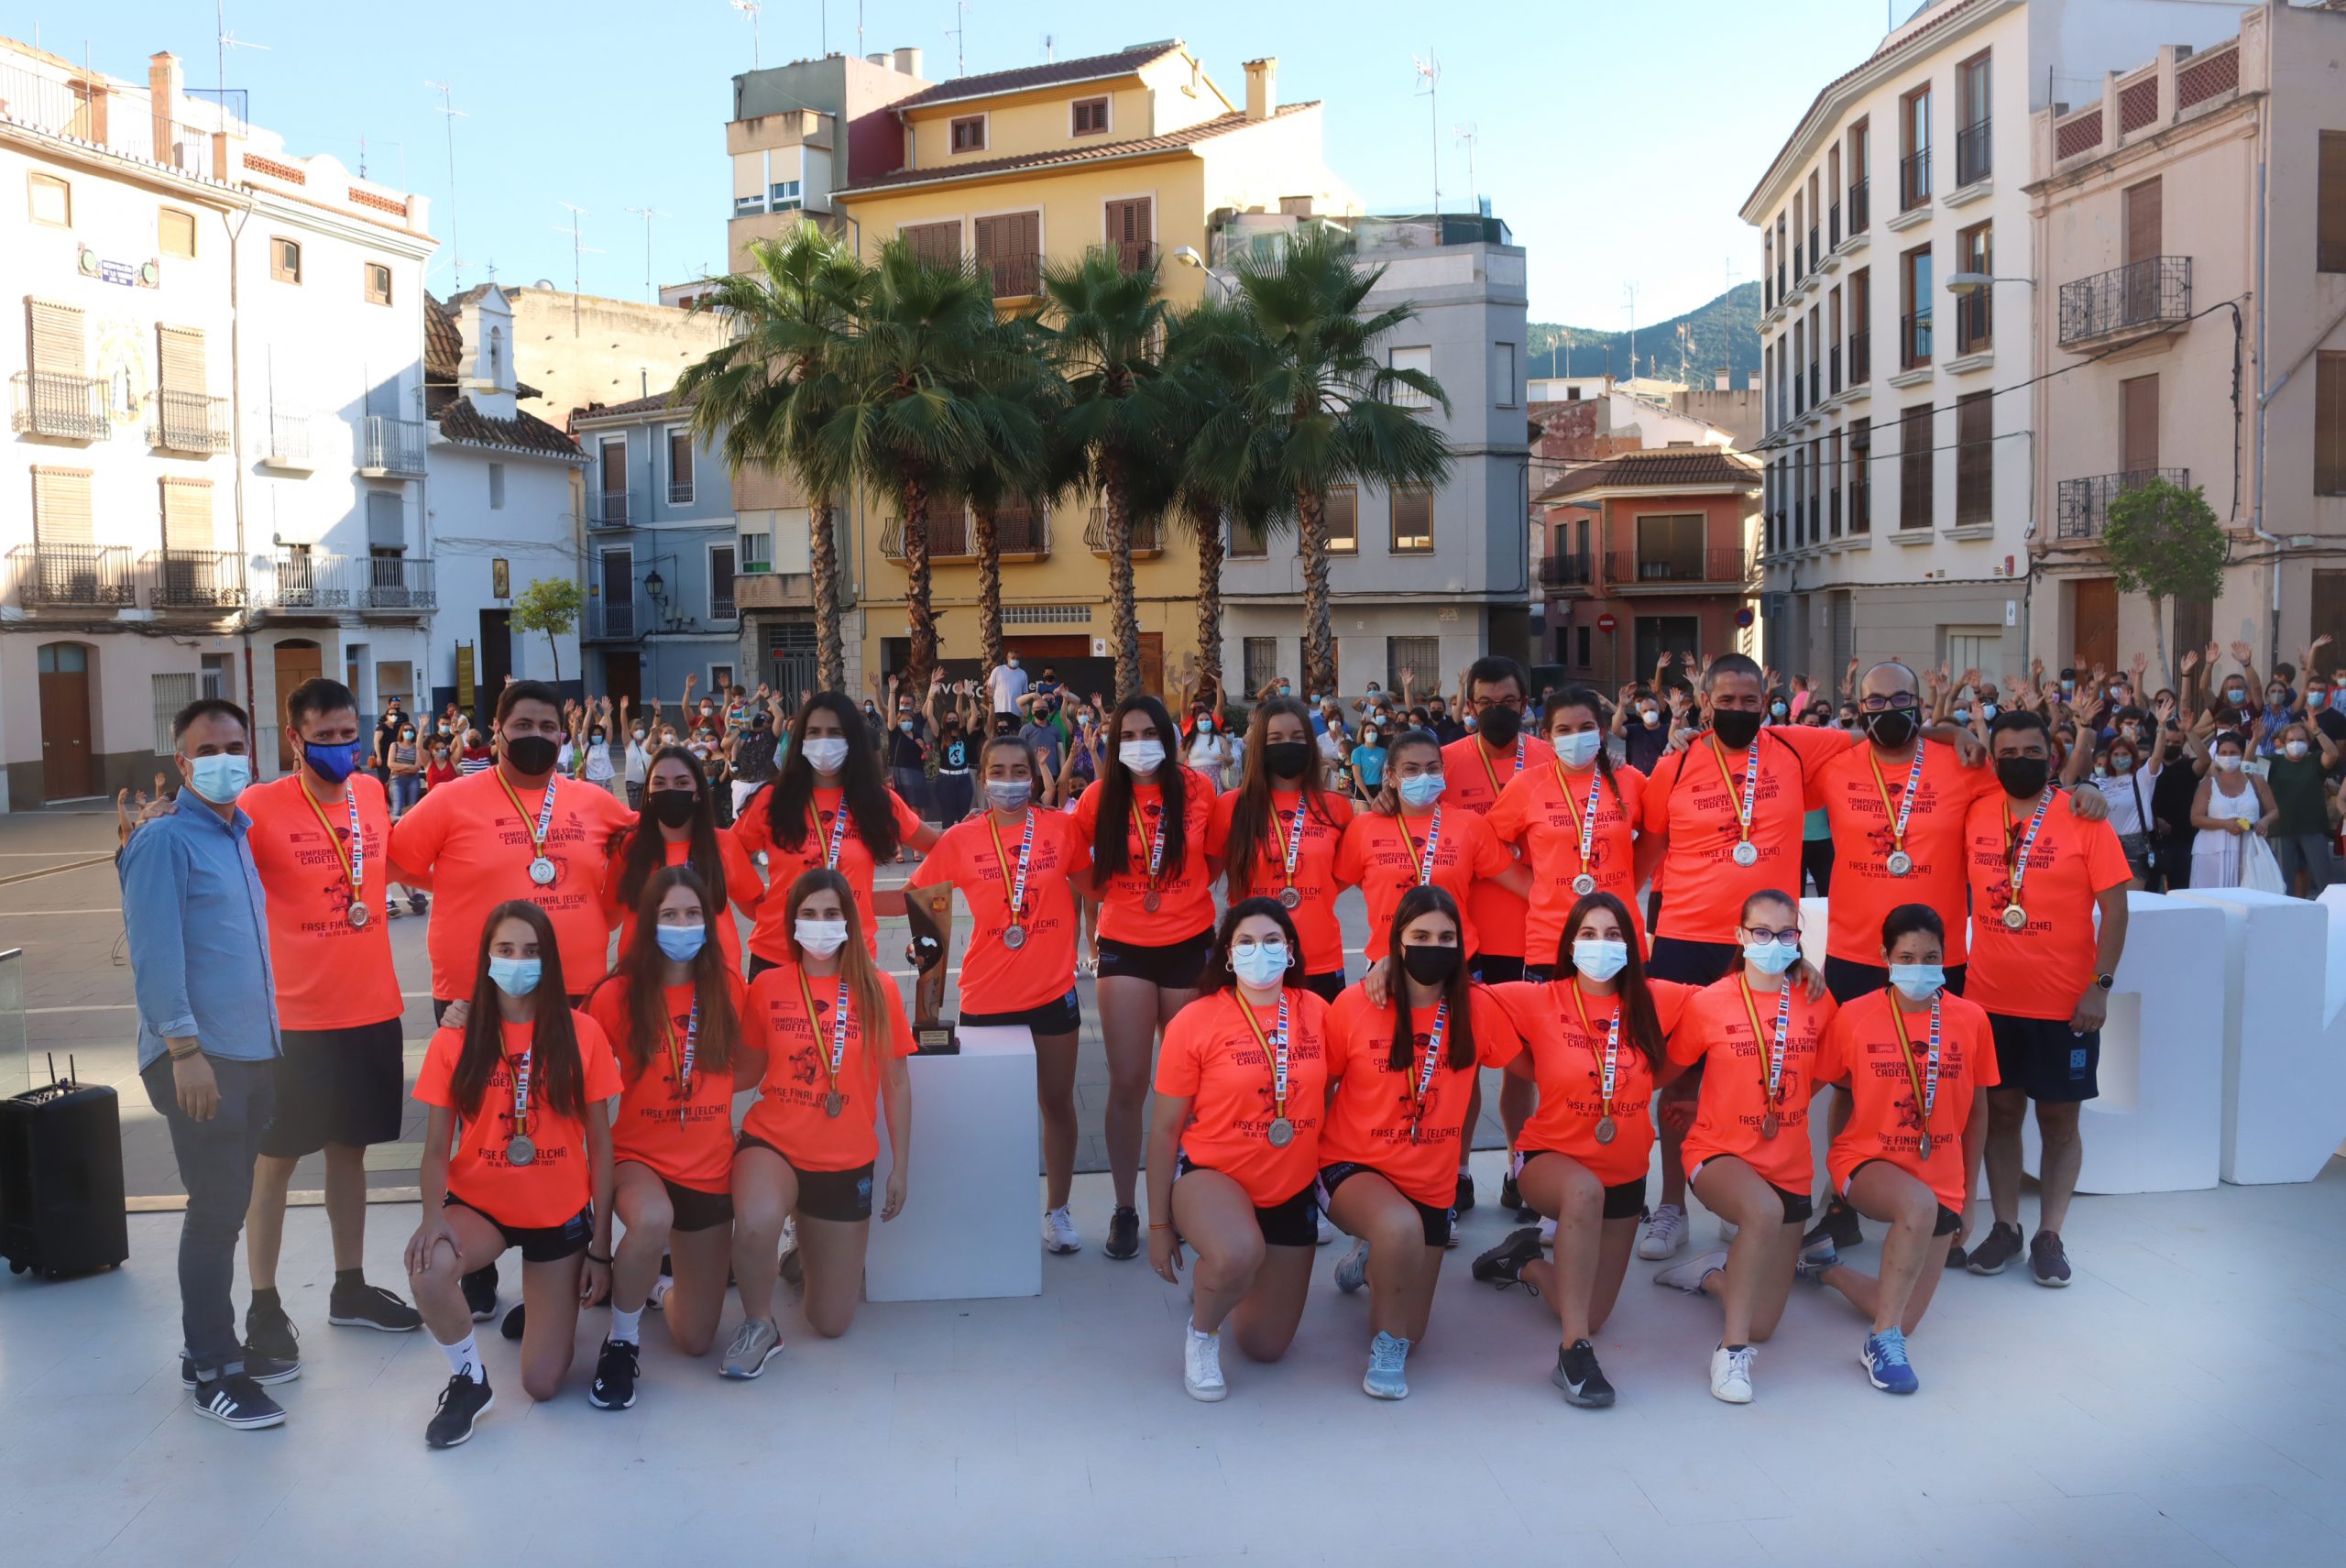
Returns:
(1323,383)
(1018,399)
(549,605)
(1220,456)
(2164,543)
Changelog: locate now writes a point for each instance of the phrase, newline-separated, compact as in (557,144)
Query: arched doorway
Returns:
(67,768)
(298,660)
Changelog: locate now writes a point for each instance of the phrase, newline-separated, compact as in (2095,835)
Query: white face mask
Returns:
(826,753)
(2229,764)
(820,938)
(1598,960)
(1143,757)
(2295,748)
(1579,748)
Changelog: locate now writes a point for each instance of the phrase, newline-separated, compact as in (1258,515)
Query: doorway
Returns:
(623,677)
(2093,624)
(493,660)
(298,660)
(67,770)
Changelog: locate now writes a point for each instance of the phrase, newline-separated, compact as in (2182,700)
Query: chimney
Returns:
(907,62)
(877,57)
(162,97)
(1719,380)
(1263,87)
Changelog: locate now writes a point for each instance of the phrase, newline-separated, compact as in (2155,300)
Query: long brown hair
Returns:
(647,1000)
(863,977)
(1253,822)
(1418,902)
(1110,846)
(1388,798)
(864,789)
(1639,1020)
(642,849)
(555,1070)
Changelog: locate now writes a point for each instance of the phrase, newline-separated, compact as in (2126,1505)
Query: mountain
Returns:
(1725,332)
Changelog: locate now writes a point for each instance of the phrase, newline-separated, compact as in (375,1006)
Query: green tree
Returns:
(1017,398)
(2164,543)
(1220,455)
(549,605)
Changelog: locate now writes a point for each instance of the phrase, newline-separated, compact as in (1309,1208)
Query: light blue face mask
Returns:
(515,977)
(1771,958)
(221,777)
(1918,983)
(682,942)
(1259,965)
(1422,789)
(1600,960)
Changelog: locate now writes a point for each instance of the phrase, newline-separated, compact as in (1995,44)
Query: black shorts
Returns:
(844,1196)
(1327,986)
(2045,1059)
(1539,974)
(1434,1221)
(539,1243)
(1692,963)
(1292,1222)
(345,1087)
(696,1209)
(1949,1221)
(1848,979)
(1497,969)
(1623,1200)
(1798,1206)
(1176,966)
(1060,1017)
(760,964)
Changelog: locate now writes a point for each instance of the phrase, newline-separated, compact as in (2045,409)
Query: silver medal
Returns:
(1014,936)
(519,1150)
(1282,1133)
(1583,884)
(541,872)
(834,1103)
(1900,862)
(1605,1129)
(357,915)
(1290,898)
(1924,1149)
(1747,853)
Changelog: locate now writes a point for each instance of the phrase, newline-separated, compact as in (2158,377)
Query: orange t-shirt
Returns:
(1702,889)
(1568,1066)
(1542,814)
(473,847)
(1864,893)
(688,1141)
(1315,868)
(1735,1085)
(1213,1059)
(559,1181)
(743,891)
(2040,969)
(1474,777)
(1374,858)
(1185,900)
(788,1112)
(1886,1120)
(330,974)
(1369,1114)
(753,831)
(995,978)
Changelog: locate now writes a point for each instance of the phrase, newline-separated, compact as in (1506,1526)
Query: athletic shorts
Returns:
(1692,963)
(1327,986)
(1949,1221)
(842,1195)
(696,1209)
(2046,1060)
(1434,1221)
(1539,974)
(539,1243)
(1497,969)
(1623,1200)
(1176,966)
(759,964)
(1798,1206)
(1061,1017)
(1848,979)
(346,1086)
(1291,1222)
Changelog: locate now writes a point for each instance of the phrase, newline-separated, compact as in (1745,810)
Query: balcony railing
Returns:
(301,582)
(722,608)
(1815,384)
(1630,568)
(1815,516)
(614,619)
(1973,160)
(2137,298)
(1914,339)
(63,408)
(948,537)
(1147,533)
(1815,251)
(1019,531)
(1014,277)
(391,448)
(1975,322)
(84,577)
(1832,224)
(1913,180)
(288,442)
(1861,195)
(1833,370)
(1832,511)
(1860,359)
(395,583)
(1780,280)
(607,508)
(1138,257)
(1860,505)
(1799,271)
(680,492)
(195,579)
(2081,507)
(1566,572)
(190,422)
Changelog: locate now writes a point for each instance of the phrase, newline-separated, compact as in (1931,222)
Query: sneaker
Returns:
(259,1369)
(1452,1240)
(1124,1235)
(417,903)
(1664,1234)
(792,1269)
(1955,1256)
(1689,1275)
(1058,1231)
(2049,1260)
(1352,1272)
(658,1300)
(364,1305)
(1322,1231)
(1837,1224)
(1511,1199)
(615,1373)
(1814,1260)
(1503,1265)
(269,1332)
(755,1342)
(2001,1246)
(1580,1378)
(1731,1373)
(480,1293)
(237,1402)
(1883,1356)
(1388,1358)
(514,1321)
(462,1403)
(1466,1198)
(1202,1364)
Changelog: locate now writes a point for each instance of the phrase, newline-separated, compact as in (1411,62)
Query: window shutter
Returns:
(2329,203)
(180,352)
(386,522)
(987,238)
(187,514)
(1026,234)
(2142,212)
(2139,413)
(57,342)
(62,507)
(2329,425)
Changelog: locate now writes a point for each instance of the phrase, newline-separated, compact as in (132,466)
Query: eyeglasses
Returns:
(1256,944)
(1902,700)
(1789,937)
(1485,704)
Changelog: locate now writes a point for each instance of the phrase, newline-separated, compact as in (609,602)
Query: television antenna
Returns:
(451,114)
(647,214)
(224,41)
(959,33)
(1430,69)
(749,8)
(1468,134)
(579,251)
(1631,291)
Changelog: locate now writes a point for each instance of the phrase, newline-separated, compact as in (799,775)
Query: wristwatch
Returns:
(2106,982)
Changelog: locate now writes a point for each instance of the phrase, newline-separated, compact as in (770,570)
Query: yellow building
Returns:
(1137,150)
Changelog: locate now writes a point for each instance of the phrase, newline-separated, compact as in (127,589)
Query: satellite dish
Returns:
(546,283)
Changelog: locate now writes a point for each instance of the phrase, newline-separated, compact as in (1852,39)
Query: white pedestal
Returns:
(970,1224)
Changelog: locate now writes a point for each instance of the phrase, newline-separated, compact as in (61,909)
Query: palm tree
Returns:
(1107,337)
(796,306)
(1323,383)
(1221,459)
(1014,464)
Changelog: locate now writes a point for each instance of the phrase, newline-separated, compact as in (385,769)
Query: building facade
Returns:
(803,130)
(213,474)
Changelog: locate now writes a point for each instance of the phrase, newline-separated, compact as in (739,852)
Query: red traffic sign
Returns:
(1606,623)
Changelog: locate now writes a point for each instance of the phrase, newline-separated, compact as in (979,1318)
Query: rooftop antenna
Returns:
(224,41)
(749,8)
(451,114)
(858,30)
(960,34)
(579,251)
(1050,49)
(1631,291)
(1430,69)
(1467,134)
(647,214)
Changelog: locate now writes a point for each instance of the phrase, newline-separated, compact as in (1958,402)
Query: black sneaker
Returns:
(1465,1193)
(1511,1199)
(480,1293)
(1580,1378)
(364,1305)
(462,1403)
(1503,1265)
(2049,1260)
(2003,1246)
(269,1332)
(511,1327)
(794,1270)
(1837,1224)
(1955,1256)
(417,903)
(615,1373)
(1124,1235)
(259,1369)
(237,1402)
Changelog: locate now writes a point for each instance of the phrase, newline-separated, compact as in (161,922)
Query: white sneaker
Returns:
(660,1288)
(1058,1231)
(1731,1375)
(1327,1232)
(1202,1364)
(1664,1234)
(1548,1233)
(1352,1272)
(1727,1229)
(1689,1275)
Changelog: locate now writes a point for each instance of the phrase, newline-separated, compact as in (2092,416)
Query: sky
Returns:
(1616,139)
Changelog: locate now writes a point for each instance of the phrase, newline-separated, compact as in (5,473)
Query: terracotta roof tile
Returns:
(1221,125)
(661,402)
(1659,468)
(1124,62)
(460,421)
(444,342)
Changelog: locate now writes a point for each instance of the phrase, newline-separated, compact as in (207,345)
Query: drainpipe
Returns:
(236,441)
(2256,516)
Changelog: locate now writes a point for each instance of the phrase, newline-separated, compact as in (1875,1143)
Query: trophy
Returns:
(931,1036)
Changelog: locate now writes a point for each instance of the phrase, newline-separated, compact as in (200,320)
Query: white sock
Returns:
(1197,1332)
(625,1326)
(465,1356)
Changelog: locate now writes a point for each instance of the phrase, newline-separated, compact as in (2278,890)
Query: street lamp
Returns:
(1963,284)
(656,585)
(1188,257)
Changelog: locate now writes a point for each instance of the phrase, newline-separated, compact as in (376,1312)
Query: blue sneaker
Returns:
(1352,1272)
(1884,1359)
(1388,1357)
(1814,1260)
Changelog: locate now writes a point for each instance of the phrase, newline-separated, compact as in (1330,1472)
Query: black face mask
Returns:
(530,753)
(671,807)
(1499,725)
(1892,726)
(1430,965)
(1287,759)
(2022,777)
(1735,728)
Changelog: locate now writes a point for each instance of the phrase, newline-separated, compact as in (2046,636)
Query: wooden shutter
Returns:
(2329,201)
(2329,425)
(2143,205)
(1130,226)
(1975,459)
(934,242)
(2138,436)
(187,514)
(62,507)
(1915,456)
(178,350)
(55,336)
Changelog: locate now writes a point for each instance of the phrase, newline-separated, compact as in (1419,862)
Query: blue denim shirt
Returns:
(197,919)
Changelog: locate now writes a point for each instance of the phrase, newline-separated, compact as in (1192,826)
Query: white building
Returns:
(1900,508)
(211,467)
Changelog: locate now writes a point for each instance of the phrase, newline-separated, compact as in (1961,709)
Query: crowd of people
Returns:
(1597,895)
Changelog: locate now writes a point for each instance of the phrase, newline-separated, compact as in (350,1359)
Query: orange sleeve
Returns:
(607,1005)
(1654,807)
(743,887)
(434,1078)
(908,821)
(941,865)
(1350,849)
(1834,1052)
(1495,1040)
(417,836)
(752,829)
(1343,1017)
(1816,746)
(1690,1040)
(603,1079)
(2106,864)
(1178,1072)
(900,1025)
(1491,858)
(1670,999)
(1218,825)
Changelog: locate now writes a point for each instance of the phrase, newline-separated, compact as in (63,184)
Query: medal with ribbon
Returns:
(519,1149)
(1425,1072)
(1152,898)
(353,860)
(1925,1083)
(833,1103)
(1423,865)
(1775,1078)
(1900,861)
(1014,882)
(1606,1129)
(838,832)
(1584,822)
(2016,863)
(1289,896)
(1281,1132)
(680,1063)
(1492,773)
(540,868)
(1747,853)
